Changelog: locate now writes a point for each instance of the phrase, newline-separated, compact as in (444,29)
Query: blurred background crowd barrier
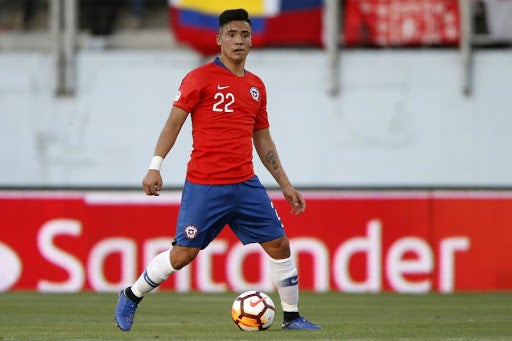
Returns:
(64,26)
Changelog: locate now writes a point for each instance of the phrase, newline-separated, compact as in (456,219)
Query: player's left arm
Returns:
(267,151)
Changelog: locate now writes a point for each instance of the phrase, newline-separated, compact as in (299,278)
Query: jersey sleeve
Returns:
(189,92)
(262,116)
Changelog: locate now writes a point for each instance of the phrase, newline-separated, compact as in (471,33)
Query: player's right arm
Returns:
(152,182)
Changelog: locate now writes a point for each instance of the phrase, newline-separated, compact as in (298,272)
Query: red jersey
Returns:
(225,109)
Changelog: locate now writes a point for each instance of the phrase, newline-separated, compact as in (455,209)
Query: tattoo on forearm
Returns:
(273,161)
(271,158)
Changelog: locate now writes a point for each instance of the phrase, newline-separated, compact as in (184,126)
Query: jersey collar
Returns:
(219,63)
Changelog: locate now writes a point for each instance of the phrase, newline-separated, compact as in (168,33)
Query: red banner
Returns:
(412,242)
(401,22)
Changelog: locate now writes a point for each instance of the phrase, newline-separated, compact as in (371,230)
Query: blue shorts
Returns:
(245,207)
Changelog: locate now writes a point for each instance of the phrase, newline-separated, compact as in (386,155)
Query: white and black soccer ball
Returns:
(253,311)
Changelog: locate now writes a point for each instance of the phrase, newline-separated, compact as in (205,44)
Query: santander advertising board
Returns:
(408,242)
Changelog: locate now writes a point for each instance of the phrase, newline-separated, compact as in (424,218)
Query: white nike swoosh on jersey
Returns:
(223,87)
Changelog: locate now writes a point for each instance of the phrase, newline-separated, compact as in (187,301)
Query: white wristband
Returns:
(156,162)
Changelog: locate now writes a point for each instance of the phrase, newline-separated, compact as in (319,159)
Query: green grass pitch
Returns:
(196,316)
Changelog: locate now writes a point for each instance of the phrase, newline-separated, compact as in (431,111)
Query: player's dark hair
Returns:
(238,14)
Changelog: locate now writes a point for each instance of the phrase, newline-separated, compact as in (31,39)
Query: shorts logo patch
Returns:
(255,93)
(190,231)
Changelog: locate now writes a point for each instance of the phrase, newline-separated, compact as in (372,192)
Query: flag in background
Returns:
(274,22)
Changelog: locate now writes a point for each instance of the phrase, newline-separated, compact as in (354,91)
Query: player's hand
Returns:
(295,199)
(152,182)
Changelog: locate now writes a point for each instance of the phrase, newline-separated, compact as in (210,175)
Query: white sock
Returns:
(284,277)
(157,271)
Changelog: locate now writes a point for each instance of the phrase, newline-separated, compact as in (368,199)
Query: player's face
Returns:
(235,40)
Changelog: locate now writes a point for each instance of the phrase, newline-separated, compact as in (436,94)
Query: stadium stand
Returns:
(149,31)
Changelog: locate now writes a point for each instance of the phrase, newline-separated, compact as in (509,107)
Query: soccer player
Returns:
(227,105)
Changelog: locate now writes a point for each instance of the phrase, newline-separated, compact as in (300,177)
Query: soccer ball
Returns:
(253,310)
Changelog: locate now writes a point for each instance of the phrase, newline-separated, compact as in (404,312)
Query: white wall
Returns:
(400,120)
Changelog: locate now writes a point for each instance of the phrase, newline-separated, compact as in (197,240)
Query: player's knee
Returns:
(278,248)
(182,256)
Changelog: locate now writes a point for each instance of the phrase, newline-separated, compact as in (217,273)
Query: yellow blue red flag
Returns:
(274,22)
